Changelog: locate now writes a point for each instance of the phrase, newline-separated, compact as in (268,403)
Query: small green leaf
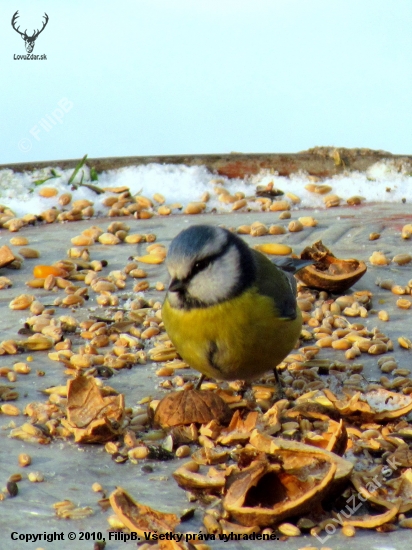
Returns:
(94,176)
(39,182)
(78,167)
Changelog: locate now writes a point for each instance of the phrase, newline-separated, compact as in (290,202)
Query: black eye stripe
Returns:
(205,262)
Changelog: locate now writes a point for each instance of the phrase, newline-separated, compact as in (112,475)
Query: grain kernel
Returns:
(308,221)
(5,282)
(138,273)
(10,410)
(21,302)
(278,206)
(374,236)
(383,315)
(19,241)
(138,453)
(195,208)
(103,286)
(404,342)
(378,258)
(319,189)
(82,240)
(402,259)
(331,201)
(164,210)
(73,300)
(406,523)
(403,303)
(289,530)
(355,200)
(65,199)
(141,287)
(160,199)
(378,349)
(21,368)
(386,284)
(35,477)
(183,451)
(295,226)
(24,460)
(325,342)
(348,531)
(258,230)
(294,198)
(341,344)
(134,238)
(277,230)
(48,192)
(150,332)
(406,231)
(243,230)
(286,215)
(241,203)
(29,253)
(108,239)
(352,353)
(388,366)
(398,289)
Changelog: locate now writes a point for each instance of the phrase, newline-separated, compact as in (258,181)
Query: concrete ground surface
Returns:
(70,469)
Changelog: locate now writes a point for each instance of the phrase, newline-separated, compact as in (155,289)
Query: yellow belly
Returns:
(245,333)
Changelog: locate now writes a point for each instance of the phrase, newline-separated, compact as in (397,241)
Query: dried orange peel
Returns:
(43,271)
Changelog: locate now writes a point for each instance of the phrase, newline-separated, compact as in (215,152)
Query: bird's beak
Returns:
(176,285)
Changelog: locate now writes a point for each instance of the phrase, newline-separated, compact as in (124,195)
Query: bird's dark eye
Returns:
(200,266)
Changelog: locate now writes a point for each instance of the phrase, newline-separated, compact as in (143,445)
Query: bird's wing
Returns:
(278,284)
(292,265)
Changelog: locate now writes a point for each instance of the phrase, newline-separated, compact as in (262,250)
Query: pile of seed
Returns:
(128,332)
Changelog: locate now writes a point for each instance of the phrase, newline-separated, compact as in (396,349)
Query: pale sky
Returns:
(160,77)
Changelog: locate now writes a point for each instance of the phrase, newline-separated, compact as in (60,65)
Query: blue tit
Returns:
(229,311)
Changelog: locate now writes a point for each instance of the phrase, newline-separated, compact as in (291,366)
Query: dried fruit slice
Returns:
(387,404)
(140,518)
(91,417)
(371,522)
(188,478)
(384,491)
(188,406)
(288,480)
(265,493)
(328,272)
(290,449)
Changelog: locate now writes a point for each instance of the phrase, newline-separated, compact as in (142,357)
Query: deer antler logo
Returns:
(28,40)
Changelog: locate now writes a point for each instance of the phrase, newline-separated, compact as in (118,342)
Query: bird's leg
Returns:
(199,382)
(281,393)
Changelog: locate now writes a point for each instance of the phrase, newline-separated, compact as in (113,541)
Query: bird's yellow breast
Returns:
(240,338)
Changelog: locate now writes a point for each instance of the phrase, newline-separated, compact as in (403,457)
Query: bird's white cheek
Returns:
(216,283)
